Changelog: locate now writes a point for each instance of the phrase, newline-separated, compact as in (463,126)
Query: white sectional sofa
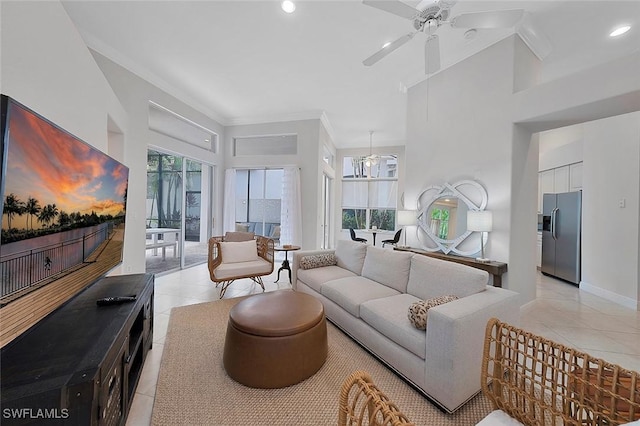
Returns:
(367,294)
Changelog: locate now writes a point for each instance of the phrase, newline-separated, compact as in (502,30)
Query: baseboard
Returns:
(627,302)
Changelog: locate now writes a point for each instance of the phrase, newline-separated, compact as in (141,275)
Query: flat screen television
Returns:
(63,209)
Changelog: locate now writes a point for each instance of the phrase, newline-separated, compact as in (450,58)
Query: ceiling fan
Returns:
(428,17)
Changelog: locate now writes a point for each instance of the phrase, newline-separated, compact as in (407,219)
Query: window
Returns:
(259,201)
(369,193)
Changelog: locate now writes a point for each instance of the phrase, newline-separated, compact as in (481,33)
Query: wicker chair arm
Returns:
(362,403)
(265,248)
(215,255)
(538,381)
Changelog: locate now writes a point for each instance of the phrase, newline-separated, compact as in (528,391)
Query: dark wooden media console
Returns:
(81,364)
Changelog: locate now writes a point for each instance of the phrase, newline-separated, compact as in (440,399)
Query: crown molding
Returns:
(276,118)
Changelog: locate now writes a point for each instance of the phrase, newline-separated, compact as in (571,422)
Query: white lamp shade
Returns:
(406,217)
(481,221)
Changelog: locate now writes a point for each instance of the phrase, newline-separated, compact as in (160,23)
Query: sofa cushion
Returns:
(350,292)
(317,260)
(429,277)
(418,311)
(240,251)
(387,267)
(247,269)
(316,277)
(389,317)
(499,418)
(350,255)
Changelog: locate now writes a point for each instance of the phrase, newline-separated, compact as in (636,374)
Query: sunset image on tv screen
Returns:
(55,181)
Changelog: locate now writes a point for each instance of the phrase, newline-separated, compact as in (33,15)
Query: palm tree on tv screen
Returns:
(32,208)
(12,206)
(48,214)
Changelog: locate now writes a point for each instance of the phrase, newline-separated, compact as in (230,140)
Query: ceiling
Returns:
(248,61)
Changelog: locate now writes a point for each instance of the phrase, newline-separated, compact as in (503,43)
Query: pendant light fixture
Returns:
(371,160)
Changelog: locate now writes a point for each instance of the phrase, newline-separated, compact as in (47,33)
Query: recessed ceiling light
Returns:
(288,6)
(386,44)
(620,30)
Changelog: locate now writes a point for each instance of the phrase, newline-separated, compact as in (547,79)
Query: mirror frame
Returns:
(462,190)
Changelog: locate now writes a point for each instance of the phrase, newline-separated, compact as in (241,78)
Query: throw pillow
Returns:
(318,260)
(418,310)
(238,236)
(240,251)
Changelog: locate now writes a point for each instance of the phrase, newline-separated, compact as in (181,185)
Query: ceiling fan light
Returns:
(619,31)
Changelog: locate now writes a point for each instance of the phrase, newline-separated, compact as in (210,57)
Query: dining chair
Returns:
(354,238)
(394,240)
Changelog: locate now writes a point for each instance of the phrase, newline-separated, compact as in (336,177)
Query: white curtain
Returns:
(291,213)
(229,214)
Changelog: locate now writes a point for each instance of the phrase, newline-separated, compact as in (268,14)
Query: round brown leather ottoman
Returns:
(275,339)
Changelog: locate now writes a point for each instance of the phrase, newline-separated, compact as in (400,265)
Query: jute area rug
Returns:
(194,389)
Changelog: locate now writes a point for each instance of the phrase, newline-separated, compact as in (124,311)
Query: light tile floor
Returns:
(561,312)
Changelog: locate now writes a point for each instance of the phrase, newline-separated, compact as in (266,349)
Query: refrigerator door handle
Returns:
(554,214)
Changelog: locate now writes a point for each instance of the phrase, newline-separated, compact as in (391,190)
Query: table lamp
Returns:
(480,221)
(406,218)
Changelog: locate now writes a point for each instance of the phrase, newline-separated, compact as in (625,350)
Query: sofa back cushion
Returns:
(350,255)
(429,277)
(387,267)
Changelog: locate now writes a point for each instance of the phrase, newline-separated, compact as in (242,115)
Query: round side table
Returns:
(285,262)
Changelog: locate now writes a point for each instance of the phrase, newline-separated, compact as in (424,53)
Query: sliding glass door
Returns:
(178,211)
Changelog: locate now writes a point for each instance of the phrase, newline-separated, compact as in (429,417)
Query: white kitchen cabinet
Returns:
(561,179)
(575,176)
(545,185)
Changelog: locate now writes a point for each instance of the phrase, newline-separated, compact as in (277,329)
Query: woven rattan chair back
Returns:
(362,403)
(265,249)
(541,382)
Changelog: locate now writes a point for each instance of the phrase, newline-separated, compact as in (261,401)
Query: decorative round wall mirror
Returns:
(442,217)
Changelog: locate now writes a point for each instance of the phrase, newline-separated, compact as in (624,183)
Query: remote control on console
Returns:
(117,300)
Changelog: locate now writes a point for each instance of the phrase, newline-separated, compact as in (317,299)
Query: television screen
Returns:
(63,206)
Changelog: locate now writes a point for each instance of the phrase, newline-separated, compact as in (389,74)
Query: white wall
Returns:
(610,233)
(135,94)
(47,67)
(582,98)
(467,133)
(307,159)
(558,148)
(478,127)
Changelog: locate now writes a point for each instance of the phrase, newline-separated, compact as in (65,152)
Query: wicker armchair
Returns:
(226,272)
(362,403)
(539,382)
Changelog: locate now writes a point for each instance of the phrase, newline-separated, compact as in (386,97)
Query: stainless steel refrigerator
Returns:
(561,235)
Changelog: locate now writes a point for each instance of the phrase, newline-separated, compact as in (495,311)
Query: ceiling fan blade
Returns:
(387,49)
(431,55)
(491,19)
(393,6)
